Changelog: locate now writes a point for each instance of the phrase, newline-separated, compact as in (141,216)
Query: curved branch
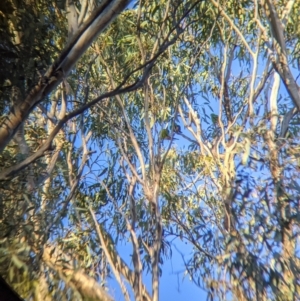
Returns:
(97,22)
(116,262)
(281,62)
(47,145)
(118,90)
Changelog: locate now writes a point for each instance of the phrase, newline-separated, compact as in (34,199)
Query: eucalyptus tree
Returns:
(178,123)
(48,204)
(241,208)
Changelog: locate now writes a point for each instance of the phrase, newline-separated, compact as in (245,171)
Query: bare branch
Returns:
(84,6)
(281,62)
(273,102)
(286,121)
(109,258)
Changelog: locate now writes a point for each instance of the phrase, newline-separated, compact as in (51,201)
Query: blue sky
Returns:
(173,284)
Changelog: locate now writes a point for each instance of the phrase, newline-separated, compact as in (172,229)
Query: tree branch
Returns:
(86,285)
(281,62)
(106,13)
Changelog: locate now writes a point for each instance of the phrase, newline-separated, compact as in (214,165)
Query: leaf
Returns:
(103,172)
(17,262)
(214,118)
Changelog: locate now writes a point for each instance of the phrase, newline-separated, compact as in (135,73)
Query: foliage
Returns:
(179,123)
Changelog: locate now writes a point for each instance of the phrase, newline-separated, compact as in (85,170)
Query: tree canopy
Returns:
(148,123)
